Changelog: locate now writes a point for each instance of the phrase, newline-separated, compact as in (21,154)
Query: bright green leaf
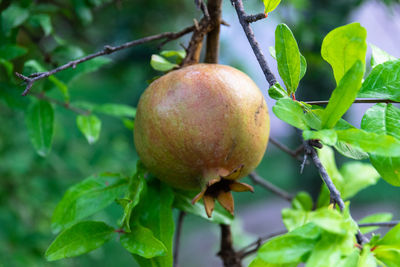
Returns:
(40,122)
(141,241)
(290,112)
(161,64)
(343,96)
(383,82)
(258,262)
(277,92)
(388,255)
(326,252)
(90,126)
(270,5)
(117,110)
(350,151)
(392,237)
(379,144)
(379,56)
(86,198)
(179,54)
(303,66)
(367,258)
(326,136)
(374,218)
(79,239)
(384,119)
(288,57)
(343,46)
(302,201)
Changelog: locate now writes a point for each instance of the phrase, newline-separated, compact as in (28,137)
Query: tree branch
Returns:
(31,79)
(357,101)
(227,253)
(253,42)
(270,187)
(295,154)
(380,224)
(254,18)
(61,103)
(253,247)
(334,193)
(178,238)
(212,48)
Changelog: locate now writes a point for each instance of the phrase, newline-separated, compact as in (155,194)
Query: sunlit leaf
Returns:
(161,64)
(379,56)
(270,5)
(290,112)
(90,126)
(374,218)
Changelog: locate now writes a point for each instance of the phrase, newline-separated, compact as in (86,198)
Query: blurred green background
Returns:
(53,32)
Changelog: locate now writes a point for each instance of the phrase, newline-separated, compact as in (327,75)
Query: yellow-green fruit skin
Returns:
(200,121)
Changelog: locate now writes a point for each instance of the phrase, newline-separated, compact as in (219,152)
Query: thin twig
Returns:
(61,103)
(357,101)
(253,247)
(227,253)
(31,79)
(270,187)
(334,193)
(285,149)
(254,18)
(380,224)
(212,47)
(178,237)
(253,42)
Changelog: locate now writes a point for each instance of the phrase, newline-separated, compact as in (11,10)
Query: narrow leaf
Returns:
(81,238)
(343,46)
(90,126)
(270,5)
(40,123)
(343,96)
(288,57)
(117,110)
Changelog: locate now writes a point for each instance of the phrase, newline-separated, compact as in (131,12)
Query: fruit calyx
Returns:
(220,189)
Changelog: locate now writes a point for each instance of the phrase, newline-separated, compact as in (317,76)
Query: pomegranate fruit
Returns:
(201,128)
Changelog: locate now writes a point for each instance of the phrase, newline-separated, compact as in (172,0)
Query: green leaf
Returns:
(343,46)
(40,122)
(117,110)
(303,66)
(43,21)
(350,151)
(90,126)
(291,247)
(8,66)
(161,64)
(290,112)
(374,218)
(388,248)
(302,201)
(277,92)
(326,252)
(270,5)
(183,202)
(11,51)
(258,262)
(86,198)
(141,241)
(356,177)
(367,258)
(154,211)
(392,237)
(326,136)
(12,17)
(288,57)
(79,239)
(350,261)
(383,82)
(379,56)
(384,119)
(380,144)
(178,54)
(343,96)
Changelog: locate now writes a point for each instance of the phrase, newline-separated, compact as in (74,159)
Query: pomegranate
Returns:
(201,128)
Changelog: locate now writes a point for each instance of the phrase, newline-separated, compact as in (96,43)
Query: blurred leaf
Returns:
(129,124)
(161,64)
(277,92)
(350,151)
(154,211)
(392,237)
(8,66)
(350,260)
(86,198)
(290,247)
(288,57)
(79,239)
(356,177)
(179,54)
(83,12)
(11,51)
(331,221)
(141,241)
(302,201)
(12,17)
(90,126)
(367,258)
(379,56)
(374,218)
(290,112)
(383,82)
(303,66)
(183,202)
(326,136)
(384,119)
(379,144)
(64,53)
(343,46)
(43,21)
(258,262)
(117,110)
(272,51)
(343,96)
(270,5)
(388,248)
(327,252)
(40,122)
